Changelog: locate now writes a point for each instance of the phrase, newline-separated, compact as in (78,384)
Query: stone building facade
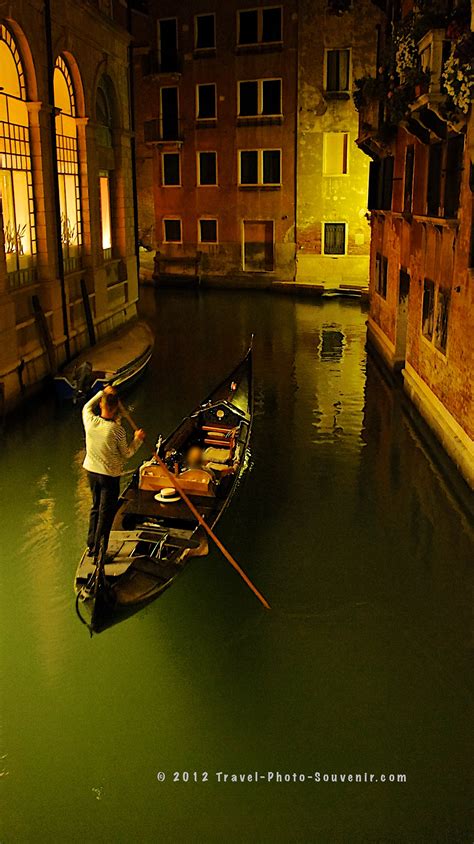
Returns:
(416,123)
(66,183)
(246,135)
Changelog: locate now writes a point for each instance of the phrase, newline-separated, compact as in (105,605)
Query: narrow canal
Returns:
(356,538)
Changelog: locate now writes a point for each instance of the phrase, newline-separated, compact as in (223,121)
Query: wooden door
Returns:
(258,246)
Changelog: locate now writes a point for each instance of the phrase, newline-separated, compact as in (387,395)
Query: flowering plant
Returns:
(458,73)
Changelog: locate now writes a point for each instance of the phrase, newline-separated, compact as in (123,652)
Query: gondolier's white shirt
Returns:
(106,442)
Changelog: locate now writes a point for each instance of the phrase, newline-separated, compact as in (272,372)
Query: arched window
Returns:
(16,187)
(105,125)
(68,165)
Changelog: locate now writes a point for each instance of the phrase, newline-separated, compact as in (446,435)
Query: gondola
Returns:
(120,359)
(154,533)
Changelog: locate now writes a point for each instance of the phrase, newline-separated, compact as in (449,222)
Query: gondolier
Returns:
(107,450)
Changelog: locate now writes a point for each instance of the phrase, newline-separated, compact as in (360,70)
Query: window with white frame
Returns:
(206,101)
(260,26)
(172,230)
(207,168)
(205,32)
(208,230)
(338,66)
(171,169)
(259,98)
(335,153)
(260,167)
(335,238)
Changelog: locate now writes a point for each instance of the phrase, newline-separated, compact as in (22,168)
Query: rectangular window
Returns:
(169,114)
(454,167)
(168,45)
(104,185)
(433,193)
(408,183)
(387,183)
(207,168)
(442,318)
(381,274)
(260,26)
(271,166)
(206,102)
(205,32)
(260,97)
(172,231)
(208,231)
(260,167)
(171,169)
(338,71)
(427,319)
(249,167)
(334,238)
(335,153)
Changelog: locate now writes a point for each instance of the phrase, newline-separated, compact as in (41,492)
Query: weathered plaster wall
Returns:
(331,198)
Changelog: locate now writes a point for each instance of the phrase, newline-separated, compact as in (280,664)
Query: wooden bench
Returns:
(164,265)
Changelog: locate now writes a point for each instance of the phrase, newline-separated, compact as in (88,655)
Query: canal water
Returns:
(352,531)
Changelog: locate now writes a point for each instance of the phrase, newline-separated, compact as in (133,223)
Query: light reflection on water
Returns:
(347,525)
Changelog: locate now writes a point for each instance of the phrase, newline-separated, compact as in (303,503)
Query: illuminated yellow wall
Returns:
(332,173)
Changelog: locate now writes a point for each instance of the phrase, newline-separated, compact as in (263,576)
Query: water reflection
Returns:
(346,523)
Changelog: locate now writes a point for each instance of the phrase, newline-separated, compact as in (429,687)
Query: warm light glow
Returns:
(16,191)
(68,160)
(105,210)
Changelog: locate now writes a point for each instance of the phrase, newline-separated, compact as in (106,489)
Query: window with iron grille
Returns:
(205,32)
(260,26)
(338,71)
(68,164)
(335,238)
(207,168)
(172,231)
(208,231)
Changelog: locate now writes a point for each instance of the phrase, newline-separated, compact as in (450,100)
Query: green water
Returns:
(349,528)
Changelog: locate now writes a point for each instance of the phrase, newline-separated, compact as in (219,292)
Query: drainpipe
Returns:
(54,159)
(131,89)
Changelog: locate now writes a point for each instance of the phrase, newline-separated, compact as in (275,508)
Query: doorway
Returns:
(258,249)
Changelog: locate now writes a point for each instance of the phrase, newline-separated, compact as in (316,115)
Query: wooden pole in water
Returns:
(175,483)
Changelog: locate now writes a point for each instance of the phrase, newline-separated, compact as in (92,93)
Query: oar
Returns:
(175,483)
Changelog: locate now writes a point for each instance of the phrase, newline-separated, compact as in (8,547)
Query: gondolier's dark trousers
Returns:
(105,494)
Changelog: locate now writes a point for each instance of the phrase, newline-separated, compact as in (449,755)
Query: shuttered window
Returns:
(427,318)
(454,167)
(409,172)
(442,320)
(337,70)
(433,192)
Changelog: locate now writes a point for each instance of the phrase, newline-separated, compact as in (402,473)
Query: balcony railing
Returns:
(163,131)
(164,64)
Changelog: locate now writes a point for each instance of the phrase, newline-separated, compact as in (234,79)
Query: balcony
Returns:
(166,64)
(433,50)
(163,132)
